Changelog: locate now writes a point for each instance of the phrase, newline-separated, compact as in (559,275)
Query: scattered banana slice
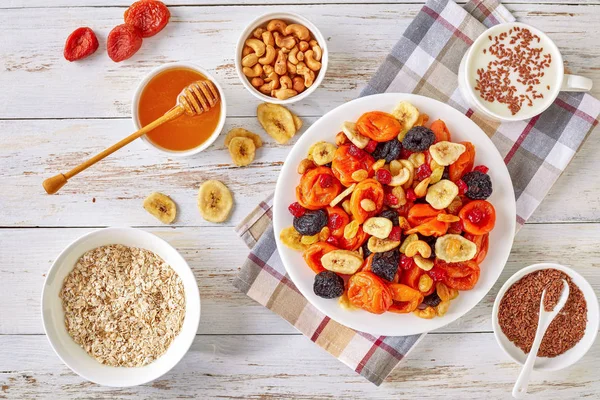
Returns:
(242,151)
(292,239)
(214,201)
(349,129)
(376,245)
(297,122)
(241,132)
(454,248)
(161,207)
(342,261)
(322,153)
(378,227)
(445,153)
(407,114)
(277,121)
(343,195)
(441,194)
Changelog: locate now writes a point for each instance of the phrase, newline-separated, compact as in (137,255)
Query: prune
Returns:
(479,185)
(392,215)
(328,285)
(432,300)
(385,265)
(388,150)
(366,251)
(418,138)
(311,222)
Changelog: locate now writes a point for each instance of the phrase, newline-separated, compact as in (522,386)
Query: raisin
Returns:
(123,42)
(328,285)
(432,300)
(388,151)
(311,222)
(80,44)
(148,16)
(385,265)
(392,215)
(479,185)
(418,138)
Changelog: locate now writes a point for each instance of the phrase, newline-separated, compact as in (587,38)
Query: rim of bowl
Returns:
(593,309)
(186,345)
(555,50)
(136,99)
(290,17)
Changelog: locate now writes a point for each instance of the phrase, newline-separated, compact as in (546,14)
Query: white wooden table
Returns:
(54,114)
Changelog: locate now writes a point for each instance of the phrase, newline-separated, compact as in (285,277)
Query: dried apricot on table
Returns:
(123,42)
(148,16)
(80,44)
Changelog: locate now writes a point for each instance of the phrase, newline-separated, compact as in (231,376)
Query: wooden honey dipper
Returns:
(195,99)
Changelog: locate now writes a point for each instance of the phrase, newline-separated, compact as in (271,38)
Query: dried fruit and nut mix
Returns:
(123,305)
(393,216)
(518,313)
(280,59)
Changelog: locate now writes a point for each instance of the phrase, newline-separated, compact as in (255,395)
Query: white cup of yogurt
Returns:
(514,72)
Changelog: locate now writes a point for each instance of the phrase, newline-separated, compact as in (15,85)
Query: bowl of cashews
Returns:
(281,58)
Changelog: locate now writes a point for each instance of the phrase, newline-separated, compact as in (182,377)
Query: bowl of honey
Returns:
(157,93)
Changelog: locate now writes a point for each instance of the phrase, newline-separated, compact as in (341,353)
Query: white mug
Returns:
(560,82)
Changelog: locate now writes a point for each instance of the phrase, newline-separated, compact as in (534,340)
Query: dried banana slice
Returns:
(277,121)
(349,129)
(445,153)
(161,207)
(241,132)
(242,151)
(214,201)
(297,122)
(291,238)
(454,248)
(378,226)
(441,194)
(407,114)
(322,153)
(342,261)
(376,245)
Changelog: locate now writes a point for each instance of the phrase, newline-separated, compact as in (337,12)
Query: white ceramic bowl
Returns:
(501,238)
(569,357)
(72,354)
(289,18)
(136,100)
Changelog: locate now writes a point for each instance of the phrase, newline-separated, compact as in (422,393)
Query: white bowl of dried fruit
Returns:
(120,306)
(281,58)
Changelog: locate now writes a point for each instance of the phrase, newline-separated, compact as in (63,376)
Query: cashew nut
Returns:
(300,31)
(418,246)
(307,73)
(303,45)
(269,56)
(298,85)
(268,87)
(268,69)
(268,39)
(283,93)
(247,50)
(281,63)
(277,25)
(258,33)
(291,67)
(257,45)
(313,43)
(253,72)
(317,52)
(300,56)
(292,55)
(250,60)
(257,82)
(311,62)
(272,76)
(284,41)
(286,82)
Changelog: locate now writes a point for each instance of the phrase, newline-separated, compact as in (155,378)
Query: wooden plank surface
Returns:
(275,367)
(358,36)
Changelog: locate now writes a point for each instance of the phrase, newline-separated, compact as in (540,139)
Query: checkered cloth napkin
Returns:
(425,61)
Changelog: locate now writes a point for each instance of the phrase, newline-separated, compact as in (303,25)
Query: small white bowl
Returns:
(72,354)
(136,100)
(572,355)
(289,18)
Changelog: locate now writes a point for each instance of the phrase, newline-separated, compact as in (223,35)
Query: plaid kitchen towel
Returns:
(425,61)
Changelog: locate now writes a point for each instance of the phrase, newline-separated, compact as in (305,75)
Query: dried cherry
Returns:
(123,42)
(148,16)
(80,44)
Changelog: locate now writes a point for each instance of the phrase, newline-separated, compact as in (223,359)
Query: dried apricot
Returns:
(148,16)
(123,42)
(80,44)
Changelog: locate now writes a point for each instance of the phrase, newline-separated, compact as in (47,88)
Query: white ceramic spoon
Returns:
(546,317)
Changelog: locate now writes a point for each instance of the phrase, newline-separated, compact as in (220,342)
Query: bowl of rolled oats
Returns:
(120,306)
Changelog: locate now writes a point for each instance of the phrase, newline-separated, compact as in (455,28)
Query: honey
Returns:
(159,96)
